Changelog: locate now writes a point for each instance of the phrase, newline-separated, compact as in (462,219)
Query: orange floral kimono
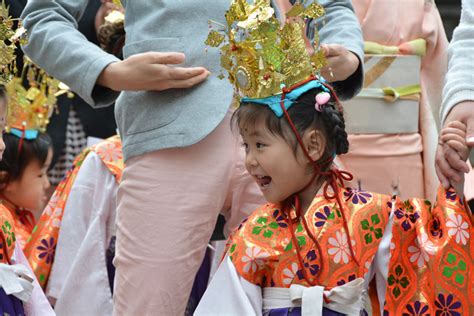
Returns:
(8,236)
(40,248)
(421,256)
(24,223)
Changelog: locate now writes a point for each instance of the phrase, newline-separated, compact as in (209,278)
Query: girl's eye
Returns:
(260,145)
(245,145)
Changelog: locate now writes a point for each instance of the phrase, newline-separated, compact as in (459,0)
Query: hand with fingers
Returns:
(450,162)
(453,140)
(151,71)
(342,63)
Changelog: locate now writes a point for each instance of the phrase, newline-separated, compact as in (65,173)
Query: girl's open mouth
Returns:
(263,181)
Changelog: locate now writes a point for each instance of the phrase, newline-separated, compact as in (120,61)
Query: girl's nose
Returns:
(250,160)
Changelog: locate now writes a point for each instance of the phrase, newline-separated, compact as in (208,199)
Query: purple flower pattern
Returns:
(309,264)
(407,215)
(351,277)
(280,219)
(416,309)
(357,196)
(47,249)
(322,216)
(447,306)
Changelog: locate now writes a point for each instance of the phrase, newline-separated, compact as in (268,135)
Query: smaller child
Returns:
(23,179)
(19,290)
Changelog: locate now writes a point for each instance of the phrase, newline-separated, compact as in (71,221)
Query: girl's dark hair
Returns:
(304,116)
(111,38)
(13,164)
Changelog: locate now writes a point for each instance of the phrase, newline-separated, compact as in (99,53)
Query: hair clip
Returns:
(321,99)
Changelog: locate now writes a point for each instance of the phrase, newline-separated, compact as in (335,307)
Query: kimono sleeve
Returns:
(230,294)
(432,257)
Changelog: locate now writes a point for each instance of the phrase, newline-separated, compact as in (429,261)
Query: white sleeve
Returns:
(38,304)
(79,280)
(230,294)
(459,78)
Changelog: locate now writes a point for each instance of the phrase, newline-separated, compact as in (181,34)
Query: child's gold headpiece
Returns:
(32,96)
(259,54)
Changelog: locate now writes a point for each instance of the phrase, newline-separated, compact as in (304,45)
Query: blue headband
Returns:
(28,134)
(273,102)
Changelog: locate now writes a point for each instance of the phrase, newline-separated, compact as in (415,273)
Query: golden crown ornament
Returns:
(260,54)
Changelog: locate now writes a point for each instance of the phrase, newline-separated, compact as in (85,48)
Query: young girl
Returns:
(23,181)
(316,245)
(20,293)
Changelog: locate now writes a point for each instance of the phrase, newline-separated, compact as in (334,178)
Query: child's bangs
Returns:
(251,116)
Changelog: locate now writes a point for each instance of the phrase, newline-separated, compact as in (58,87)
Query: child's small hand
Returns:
(454,136)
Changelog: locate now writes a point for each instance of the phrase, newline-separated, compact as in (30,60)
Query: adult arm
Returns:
(57,46)
(458,95)
(342,40)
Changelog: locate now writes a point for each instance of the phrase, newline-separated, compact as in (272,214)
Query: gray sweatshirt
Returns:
(152,120)
(460,76)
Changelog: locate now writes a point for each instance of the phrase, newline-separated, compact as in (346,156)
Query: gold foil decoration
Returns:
(214,39)
(32,97)
(314,11)
(9,38)
(259,54)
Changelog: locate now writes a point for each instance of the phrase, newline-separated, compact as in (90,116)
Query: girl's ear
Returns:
(315,143)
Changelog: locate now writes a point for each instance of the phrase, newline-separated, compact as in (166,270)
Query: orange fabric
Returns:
(22,230)
(432,258)
(41,246)
(263,253)
(7,230)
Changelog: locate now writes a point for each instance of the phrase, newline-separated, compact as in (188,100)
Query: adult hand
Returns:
(151,71)
(341,62)
(449,166)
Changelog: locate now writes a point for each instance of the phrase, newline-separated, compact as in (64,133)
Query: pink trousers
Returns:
(168,203)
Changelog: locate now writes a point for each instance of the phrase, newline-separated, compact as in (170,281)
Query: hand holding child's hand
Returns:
(342,63)
(453,139)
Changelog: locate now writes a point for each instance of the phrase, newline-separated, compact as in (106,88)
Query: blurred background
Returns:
(450,11)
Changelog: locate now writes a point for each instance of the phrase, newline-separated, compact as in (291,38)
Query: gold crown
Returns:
(32,96)
(9,38)
(259,54)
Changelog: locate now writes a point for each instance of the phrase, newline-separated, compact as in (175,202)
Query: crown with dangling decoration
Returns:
(32,93)
(32,96)
(10,36)
(261,55)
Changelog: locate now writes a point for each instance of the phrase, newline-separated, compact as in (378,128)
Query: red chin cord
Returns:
(335,178)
